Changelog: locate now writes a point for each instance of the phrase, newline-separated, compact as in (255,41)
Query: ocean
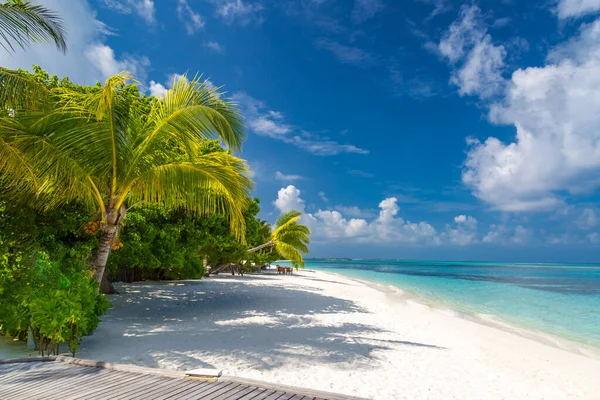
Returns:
(558,299)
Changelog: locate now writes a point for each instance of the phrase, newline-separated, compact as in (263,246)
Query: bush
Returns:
(57,302)
(45,284)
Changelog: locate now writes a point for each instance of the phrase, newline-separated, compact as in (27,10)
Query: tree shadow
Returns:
(195,323)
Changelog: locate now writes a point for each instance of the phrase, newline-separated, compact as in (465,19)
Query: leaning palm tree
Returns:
(111,149)
(289,238)
(22,23)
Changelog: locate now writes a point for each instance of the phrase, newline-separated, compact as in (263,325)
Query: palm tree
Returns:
(22,23)
(289,238)
(111,149)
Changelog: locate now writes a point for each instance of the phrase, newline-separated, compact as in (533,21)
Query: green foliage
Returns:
(45,284)
(163,244)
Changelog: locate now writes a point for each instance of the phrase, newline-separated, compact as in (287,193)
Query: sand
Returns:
(328,332)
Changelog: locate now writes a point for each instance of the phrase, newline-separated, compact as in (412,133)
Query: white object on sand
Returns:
(204,372)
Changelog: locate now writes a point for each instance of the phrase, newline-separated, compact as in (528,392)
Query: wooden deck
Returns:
(65,378)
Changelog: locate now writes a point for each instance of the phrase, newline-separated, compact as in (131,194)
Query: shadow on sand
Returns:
(263,326)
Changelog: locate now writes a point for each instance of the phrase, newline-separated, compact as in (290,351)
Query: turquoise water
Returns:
(563,300)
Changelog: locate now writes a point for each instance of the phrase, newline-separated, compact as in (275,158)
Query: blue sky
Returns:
(414,129)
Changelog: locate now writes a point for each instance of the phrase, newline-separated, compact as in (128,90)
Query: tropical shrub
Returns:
(45,285)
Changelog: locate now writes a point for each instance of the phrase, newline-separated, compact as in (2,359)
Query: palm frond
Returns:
(213,184)
(22,23)
(17,91)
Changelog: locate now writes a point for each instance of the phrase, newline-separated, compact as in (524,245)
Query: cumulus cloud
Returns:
(288,199)
(267,122)
(555,110)
(386,228)
(89,59)
(192,20)
(103,57)
(502,234)
(477,63)
(143,8)
(464,233)
(577,8)
(157,89)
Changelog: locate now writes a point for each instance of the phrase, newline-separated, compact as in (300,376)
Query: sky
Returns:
(415,129)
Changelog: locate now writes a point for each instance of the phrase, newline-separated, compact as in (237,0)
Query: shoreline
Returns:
(491,321)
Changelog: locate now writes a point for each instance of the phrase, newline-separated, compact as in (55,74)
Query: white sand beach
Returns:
(328,332)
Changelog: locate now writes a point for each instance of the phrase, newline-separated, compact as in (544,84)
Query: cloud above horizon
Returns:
(554,109)
(270,123)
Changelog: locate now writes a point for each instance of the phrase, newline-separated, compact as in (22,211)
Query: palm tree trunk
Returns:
(107,238)
(262,246)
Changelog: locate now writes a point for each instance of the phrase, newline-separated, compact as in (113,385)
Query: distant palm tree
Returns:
(110,148)
(289,238)
(22,23)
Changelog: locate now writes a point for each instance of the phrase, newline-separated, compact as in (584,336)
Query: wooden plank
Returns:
(205,391)
(45,380)
(244,392)
(229,390)
(192,388)
(286,396)
(107,382)
(231,393)
(27,382)
(174,385)
(252,394)
(140,386)
(264,394)
(82,382)
(135,387)
(176,393)
(148,390)
(275,396)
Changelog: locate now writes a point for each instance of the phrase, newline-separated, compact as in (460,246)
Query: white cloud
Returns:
(103,57)
(288,199)
(387,228)
(465,232)
(239,11)
(354,211)
(192,20)
(588,219)
(347,54)
(88,58)
(323,197)
(157,89)
(215,46)
(556,113)
(364,10)
(477,62)
(266,122)
(282,177)
(501,234)
(577,8)
(143,8)
(593,238)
